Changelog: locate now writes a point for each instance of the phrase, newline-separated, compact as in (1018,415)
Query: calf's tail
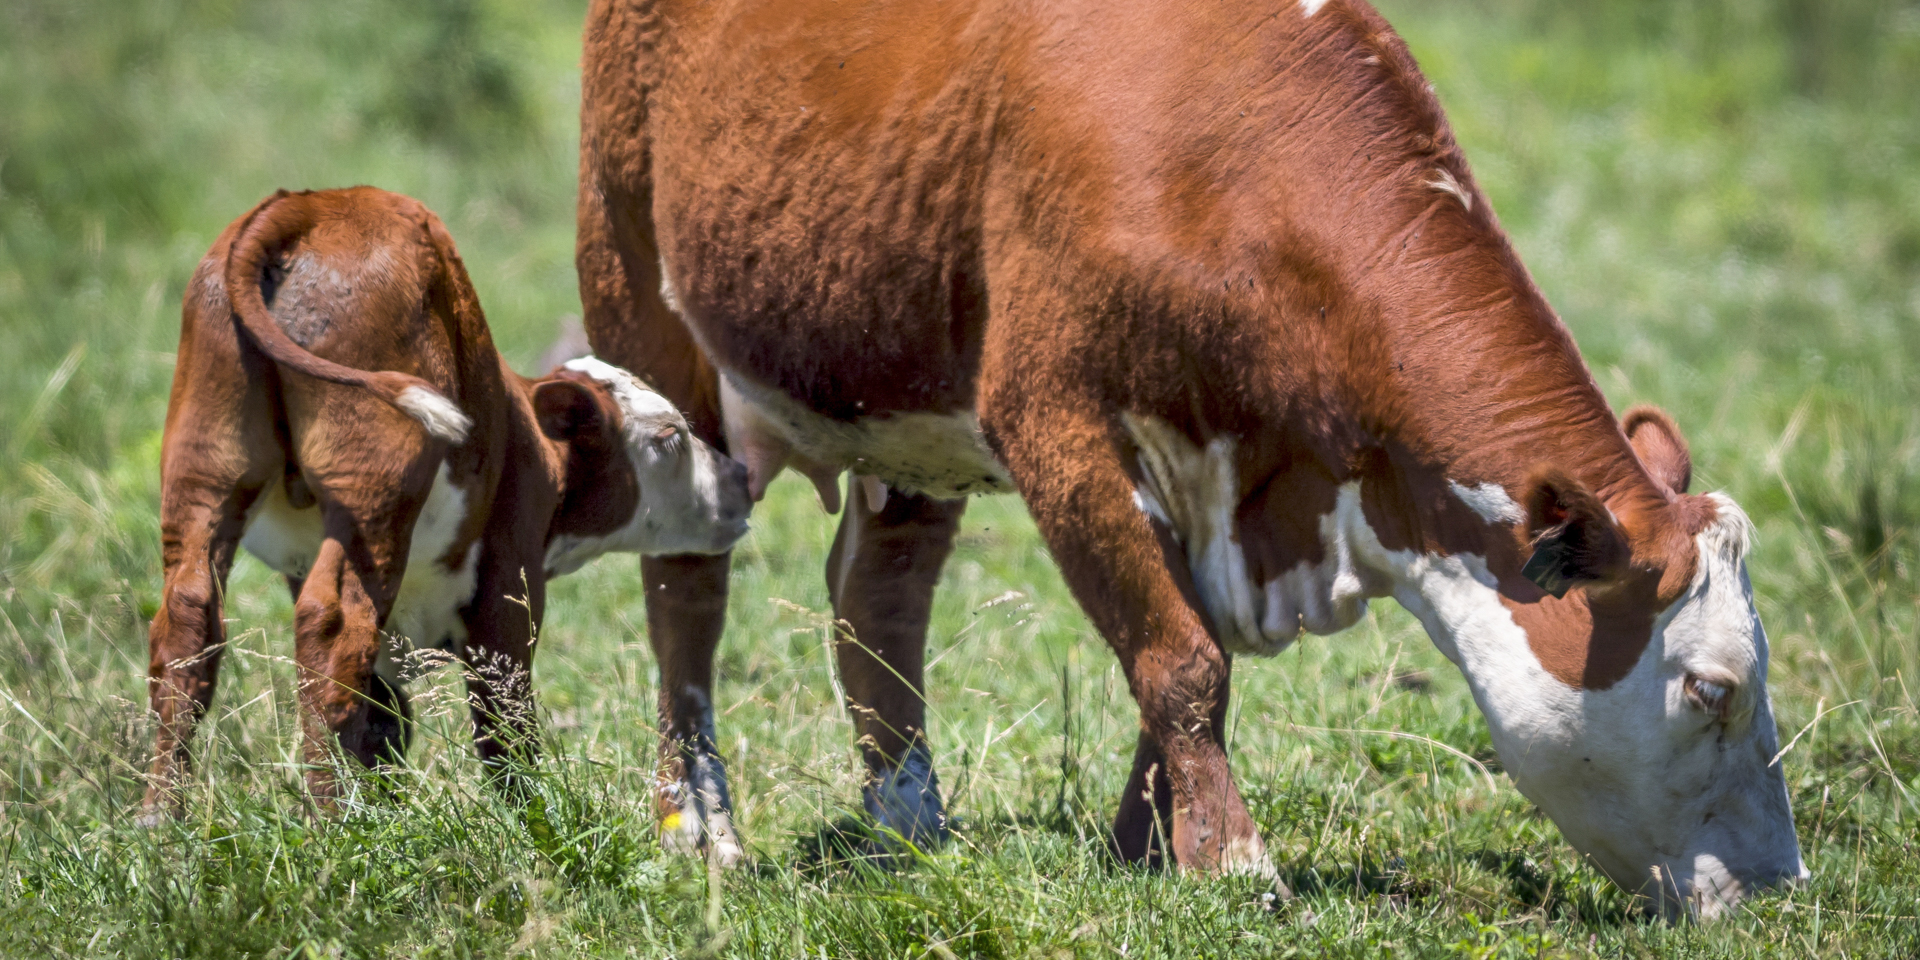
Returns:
(272,224)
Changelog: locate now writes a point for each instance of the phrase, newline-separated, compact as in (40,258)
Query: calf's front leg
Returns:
(503,619)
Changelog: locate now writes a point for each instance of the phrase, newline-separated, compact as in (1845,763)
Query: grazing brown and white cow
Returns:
(1210,285)
(427,502)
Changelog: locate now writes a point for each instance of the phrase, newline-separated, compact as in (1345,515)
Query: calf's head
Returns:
(637,480)
(1644,728)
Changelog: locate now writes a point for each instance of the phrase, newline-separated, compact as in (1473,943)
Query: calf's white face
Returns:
(687,496)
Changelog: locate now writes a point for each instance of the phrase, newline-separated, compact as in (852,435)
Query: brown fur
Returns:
(1224,215)
(313,418)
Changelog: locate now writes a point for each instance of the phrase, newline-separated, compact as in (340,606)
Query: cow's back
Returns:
(835,184)
(817,172)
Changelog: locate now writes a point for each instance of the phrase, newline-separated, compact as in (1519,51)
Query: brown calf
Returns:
(426,502)
(1209,283)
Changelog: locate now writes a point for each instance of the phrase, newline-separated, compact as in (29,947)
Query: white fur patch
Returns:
(940,455)
(1311,7)
(701,801)
(1195,493)
(285,539)
(1633,775)
(637,400)
(1247,857)
(1443,181)
(667,293)
(426,611)
(1490,501)
(438,414)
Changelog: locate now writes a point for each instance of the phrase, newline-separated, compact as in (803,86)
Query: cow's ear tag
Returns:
(1551,568)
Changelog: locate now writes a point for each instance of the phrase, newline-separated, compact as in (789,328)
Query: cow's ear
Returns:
(1574,538)
(566,409)
(1660,446)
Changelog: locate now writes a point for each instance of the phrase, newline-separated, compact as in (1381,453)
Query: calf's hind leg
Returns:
(200,526)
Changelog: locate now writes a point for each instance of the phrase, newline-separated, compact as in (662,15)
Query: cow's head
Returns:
(637,479)
(1642,725)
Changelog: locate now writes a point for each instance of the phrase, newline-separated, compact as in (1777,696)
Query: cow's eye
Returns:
(1713,696)
(667,433)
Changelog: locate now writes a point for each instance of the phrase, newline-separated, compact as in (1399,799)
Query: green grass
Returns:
(1722,198)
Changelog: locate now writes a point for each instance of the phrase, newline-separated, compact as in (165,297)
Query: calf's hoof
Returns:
(389,722)
(153,815)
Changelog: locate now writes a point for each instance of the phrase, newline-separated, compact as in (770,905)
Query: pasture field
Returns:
(1722,198)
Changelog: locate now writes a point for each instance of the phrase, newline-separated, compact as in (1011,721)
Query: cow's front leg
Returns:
(1071,465)
(686,611)
(881,573)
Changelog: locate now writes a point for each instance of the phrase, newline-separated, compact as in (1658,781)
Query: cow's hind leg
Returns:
(881,575)
(391,725)
(201,523)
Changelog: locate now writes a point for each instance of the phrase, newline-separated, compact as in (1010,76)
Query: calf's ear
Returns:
(566,409)
(1660,446)
(1574,538)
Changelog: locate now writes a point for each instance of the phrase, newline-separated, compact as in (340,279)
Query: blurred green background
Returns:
(1722,199)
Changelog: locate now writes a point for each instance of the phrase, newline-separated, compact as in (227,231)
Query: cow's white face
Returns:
(1665,778)
(687,497)
(1641,725)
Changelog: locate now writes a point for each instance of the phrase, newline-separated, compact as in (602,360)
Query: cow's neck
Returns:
(1481,399)
(1485,410)
(1451,409)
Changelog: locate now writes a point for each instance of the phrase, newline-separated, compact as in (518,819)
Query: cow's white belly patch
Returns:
(427,610)
(1195,493)
(933,454)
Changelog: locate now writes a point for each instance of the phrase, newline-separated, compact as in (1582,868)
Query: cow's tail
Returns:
(269,228)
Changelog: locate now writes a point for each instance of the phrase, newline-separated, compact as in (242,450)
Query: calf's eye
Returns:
(666,433)
(1709,695)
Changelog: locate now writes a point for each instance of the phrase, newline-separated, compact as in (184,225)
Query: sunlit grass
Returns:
(1722,199)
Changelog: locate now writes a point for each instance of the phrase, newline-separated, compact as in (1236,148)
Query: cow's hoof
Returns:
(905,801)
(695,816)
(690,834)
(153,817)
